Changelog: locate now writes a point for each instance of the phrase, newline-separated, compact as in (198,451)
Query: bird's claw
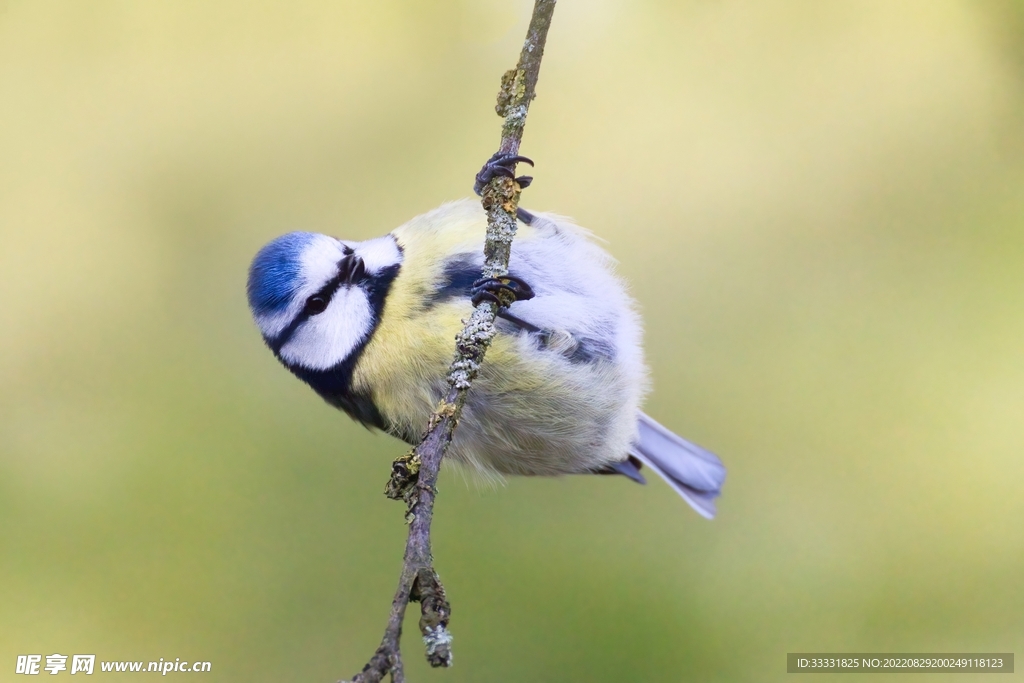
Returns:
(501,165)
(502,290)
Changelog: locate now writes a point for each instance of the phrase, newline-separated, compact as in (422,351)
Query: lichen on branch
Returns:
(414,476)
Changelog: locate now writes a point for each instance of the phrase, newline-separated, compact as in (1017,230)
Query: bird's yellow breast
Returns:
(403,365)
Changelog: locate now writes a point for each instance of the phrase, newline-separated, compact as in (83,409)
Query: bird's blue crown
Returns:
(274,274)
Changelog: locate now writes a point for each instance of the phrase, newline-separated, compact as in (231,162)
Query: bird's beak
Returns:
(351,269)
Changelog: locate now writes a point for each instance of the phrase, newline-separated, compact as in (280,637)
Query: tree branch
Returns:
(414,476)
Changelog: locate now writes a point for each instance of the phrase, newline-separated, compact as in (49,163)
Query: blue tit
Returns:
(370,327)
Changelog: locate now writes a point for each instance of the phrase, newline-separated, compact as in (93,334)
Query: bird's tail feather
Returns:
(696,474)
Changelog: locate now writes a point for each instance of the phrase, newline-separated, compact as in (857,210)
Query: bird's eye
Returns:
(316,304)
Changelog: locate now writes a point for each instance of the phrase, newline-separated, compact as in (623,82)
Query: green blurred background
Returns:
(820,207)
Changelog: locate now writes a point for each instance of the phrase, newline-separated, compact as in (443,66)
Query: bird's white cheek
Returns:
(379,253)
(326,339)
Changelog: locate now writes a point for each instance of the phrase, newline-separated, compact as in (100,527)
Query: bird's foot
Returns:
(502,290)
(501,165)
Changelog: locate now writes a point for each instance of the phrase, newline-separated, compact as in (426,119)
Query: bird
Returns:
(369,326)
